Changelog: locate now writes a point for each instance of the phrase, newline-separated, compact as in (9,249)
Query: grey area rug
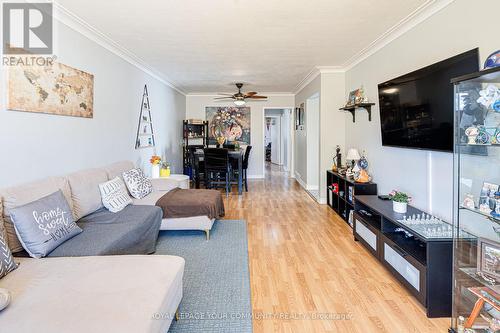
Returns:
(216,278)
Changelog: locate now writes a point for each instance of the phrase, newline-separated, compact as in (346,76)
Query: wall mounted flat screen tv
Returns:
(416,109)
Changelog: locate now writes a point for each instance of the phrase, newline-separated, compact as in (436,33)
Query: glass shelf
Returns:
(476,263)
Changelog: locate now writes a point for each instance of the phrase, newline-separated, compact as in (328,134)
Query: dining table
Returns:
(233,154)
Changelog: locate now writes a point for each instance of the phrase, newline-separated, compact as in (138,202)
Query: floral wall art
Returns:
(231,122)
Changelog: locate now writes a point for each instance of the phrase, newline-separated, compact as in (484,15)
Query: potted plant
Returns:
(165,170)
(155,166)
(400,201)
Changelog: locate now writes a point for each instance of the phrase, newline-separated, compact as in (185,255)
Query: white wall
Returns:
(332,133)
(312,111)
(427,176)
(300,144)
(331,89)
(35,146)
(195,108)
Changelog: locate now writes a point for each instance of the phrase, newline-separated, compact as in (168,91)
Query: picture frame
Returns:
(353,95)
(488,258)
(299,117)
(489,189)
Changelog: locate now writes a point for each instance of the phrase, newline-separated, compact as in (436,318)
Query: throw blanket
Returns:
(187,203)
(134,230)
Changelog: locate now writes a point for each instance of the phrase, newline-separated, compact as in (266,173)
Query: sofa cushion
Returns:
(44,224)
(2,225)
(137,184)
(7,263)
(134,230)
(23,194)
(85,191)
(117,169)
(114,195)
(93,294)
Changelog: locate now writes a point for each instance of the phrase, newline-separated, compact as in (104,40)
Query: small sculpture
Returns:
(489,95)
(484,208)
(469,202)
(472,133)
(337,159)
(362,176)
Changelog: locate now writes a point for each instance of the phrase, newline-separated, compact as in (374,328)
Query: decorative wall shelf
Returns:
(145,135)
(352,109)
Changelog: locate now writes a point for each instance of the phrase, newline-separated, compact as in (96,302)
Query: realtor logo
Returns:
(27,28)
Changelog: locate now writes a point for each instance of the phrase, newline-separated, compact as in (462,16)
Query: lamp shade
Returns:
(353,154)
(239,102)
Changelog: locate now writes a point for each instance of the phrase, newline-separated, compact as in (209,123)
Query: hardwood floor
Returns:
(304,261)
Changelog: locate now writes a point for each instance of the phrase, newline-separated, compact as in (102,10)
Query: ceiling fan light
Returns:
(239,102)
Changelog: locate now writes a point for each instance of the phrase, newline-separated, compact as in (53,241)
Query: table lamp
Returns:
(353,155)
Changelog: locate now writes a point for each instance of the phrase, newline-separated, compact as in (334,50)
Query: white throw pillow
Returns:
(7,263)
(114,195)
(138,185)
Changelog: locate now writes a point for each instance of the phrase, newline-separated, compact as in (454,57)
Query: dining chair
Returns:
(244,166)
(217,168)
(197,166)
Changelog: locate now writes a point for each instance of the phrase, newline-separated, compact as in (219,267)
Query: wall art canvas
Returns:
(231,122)
(57,89)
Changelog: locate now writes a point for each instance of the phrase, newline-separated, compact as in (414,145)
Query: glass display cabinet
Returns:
(476,226)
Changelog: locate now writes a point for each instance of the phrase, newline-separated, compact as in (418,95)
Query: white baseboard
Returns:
(322,201)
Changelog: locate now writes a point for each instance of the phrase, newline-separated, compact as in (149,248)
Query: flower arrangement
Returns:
(399,196)
(400,201)
(155,160)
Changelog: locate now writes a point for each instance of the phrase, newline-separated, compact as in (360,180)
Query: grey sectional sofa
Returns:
(85,287)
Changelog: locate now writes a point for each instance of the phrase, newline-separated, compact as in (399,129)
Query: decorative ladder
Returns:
(145,135)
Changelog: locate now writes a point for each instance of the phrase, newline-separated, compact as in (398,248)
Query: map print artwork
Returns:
(56,89)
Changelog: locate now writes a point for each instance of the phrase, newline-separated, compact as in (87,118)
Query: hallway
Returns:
(304,262)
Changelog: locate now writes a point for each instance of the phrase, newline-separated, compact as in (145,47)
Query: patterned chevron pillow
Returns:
(138,185)
(114,195)
(7,263)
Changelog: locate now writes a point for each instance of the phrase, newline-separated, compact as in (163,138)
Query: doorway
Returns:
(277,139)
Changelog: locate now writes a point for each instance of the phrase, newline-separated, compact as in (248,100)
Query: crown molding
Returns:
(78,24)
(422,13)
(313,74)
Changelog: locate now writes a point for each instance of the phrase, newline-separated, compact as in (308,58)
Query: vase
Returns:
(399,207)
(165,172)
(155,171)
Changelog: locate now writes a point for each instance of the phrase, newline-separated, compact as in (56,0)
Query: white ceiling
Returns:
(271,45)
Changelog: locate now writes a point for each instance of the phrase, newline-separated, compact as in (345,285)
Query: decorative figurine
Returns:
(484,208)
(493,60)
(489,95)
(362,176)
(496,212)
(363,162)
(337,159)
(472,133)
(496,106)
(360,96)
(483,137)
(469,201)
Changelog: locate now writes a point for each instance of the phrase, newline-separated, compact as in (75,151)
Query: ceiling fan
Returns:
(239,98)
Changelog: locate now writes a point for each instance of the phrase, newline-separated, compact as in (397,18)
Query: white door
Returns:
(275,130)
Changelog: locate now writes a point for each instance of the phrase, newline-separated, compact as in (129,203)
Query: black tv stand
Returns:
(422,264)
